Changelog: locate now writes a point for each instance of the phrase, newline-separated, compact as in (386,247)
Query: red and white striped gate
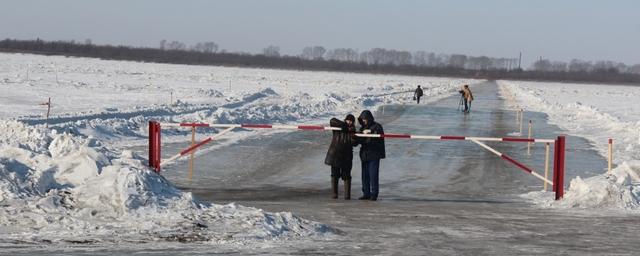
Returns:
(156,162)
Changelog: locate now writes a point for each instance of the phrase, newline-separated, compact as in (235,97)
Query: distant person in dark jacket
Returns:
(417,94)
(371,151)
(340,154)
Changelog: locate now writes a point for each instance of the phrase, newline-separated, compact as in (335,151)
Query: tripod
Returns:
(461,102)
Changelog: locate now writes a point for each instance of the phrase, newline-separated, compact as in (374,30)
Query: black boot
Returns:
(334,187)
(347,189)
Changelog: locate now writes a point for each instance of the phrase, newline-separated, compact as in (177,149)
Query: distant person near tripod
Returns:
(466,98)
(417,94)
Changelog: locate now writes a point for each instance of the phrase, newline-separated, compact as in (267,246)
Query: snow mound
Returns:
(619,189)
(73,189)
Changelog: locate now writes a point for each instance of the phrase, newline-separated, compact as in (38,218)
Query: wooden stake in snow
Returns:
(610,155)
(521,118)
(193,142)
(48,104)
(546,164)
(529,143)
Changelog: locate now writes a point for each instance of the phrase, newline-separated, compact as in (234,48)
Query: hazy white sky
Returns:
(558,30)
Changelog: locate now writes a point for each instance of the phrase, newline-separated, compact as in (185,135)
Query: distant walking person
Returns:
(467,96)
(340,154)
(417,94)
(371,151)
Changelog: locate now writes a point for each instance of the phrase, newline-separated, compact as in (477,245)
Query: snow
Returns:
(77,190)
(597,113)
(74,181)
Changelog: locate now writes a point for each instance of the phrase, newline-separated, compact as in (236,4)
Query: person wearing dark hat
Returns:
(340,154)
(371,151)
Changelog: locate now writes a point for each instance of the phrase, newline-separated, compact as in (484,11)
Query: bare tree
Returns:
(635,69)
(580,66)
(543,65)
(313,52)
(432,60)
(271,51)
(420,58)
(210,47)
(206,47)
(402,58)
(343,54)
(163,44)
(457,60)
(176,45)
(558,66)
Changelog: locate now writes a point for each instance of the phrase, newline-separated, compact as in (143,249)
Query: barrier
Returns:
(558,170)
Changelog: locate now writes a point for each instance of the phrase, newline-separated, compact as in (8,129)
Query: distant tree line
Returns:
(376,60)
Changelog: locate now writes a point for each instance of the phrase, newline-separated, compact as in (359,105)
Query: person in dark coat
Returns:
(371,151)
(340,154)
(417,94)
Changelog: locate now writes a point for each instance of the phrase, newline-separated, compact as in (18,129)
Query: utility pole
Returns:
(520,61)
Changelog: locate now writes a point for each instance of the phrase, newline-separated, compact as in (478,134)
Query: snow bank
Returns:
(619,189)
(68,188)
(83,93)
(597,113)
(594,112)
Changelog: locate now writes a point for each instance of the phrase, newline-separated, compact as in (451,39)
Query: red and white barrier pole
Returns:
(386,135)
(558,167)
(511,160)
(193,147)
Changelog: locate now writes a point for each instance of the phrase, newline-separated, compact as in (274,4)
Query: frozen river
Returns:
(436,197)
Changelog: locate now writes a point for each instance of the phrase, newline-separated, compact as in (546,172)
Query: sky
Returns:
(552,29)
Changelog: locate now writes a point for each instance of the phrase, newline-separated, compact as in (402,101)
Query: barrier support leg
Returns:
(546,164)
(193,142)
(530,133)
(558,167)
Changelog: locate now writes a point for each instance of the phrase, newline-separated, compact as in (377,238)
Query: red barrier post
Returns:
(558,167)
(151,140)
(154,145)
